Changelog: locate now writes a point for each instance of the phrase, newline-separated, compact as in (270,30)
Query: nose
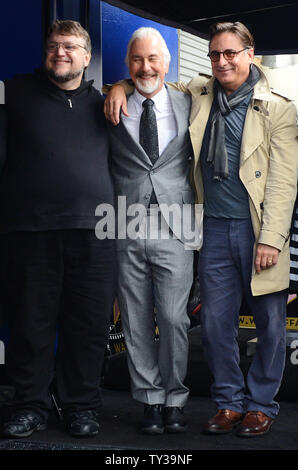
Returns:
(145,65)
(222,61)
(60,50)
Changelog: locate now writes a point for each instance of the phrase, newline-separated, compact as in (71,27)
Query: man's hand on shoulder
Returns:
(114,102)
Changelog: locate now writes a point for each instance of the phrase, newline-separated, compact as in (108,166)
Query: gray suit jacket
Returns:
(135,176)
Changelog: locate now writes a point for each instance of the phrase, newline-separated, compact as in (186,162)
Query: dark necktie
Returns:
(148,131)
(149,136)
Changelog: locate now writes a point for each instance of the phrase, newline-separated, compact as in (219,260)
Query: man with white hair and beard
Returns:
(151,158)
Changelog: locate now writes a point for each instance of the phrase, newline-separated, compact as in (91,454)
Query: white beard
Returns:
(148,88)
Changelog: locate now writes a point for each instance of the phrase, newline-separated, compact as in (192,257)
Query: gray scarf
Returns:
(217,152)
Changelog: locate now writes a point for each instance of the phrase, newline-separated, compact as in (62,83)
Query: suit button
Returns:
(147,196)
(258,174)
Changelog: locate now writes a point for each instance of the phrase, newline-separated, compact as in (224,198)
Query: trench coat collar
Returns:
(262,90)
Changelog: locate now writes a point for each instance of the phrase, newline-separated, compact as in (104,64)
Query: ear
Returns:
(251,55)
(87,58)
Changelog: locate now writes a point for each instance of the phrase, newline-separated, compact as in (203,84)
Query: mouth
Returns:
(224,70)
(60,61)
(146,76)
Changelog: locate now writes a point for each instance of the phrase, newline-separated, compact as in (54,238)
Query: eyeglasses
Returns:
(229,54)
(66,46)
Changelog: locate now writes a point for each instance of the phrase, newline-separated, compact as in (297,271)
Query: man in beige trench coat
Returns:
(244,138)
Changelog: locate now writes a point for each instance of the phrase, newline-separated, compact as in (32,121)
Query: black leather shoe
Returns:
(82,423)
(153,420)
(23,423)
(174,419)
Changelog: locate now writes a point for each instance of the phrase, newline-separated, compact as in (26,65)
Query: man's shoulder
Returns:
(20,78)
(280,96)
(96,94)
(278,88)
(280,103)
(197,83)
(180,96)
(284,106)
(280,109)
(19,85)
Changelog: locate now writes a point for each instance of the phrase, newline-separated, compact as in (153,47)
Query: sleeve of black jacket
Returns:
(3,136)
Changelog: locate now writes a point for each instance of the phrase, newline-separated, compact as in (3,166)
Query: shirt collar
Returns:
(159,99)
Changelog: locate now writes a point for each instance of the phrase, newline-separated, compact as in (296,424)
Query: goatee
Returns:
(63,78)
(147,87)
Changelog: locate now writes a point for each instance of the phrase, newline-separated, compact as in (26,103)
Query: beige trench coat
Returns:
(268,169)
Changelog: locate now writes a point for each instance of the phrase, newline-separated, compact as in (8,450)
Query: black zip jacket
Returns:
(57,168)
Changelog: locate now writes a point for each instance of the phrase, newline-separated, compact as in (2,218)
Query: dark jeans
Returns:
(61,279)
(225,265)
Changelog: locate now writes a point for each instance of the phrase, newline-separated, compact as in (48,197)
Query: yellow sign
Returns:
(246,321)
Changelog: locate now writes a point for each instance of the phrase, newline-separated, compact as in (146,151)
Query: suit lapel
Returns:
(198,120)
(257,119)
(254,126)
(181,109)
(135,148)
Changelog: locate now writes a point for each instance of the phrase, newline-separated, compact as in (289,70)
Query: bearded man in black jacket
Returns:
(54,271)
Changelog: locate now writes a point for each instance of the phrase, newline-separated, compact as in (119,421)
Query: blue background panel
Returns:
(117,28)
(20,37)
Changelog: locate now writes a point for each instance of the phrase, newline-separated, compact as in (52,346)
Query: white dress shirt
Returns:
(166,122)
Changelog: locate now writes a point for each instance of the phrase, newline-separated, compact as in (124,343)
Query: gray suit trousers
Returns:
(155,278)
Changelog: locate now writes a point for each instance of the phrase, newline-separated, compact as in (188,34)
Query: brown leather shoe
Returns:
(223,422)
(255,423)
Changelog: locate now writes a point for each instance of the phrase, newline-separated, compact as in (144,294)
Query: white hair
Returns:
(145,32)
